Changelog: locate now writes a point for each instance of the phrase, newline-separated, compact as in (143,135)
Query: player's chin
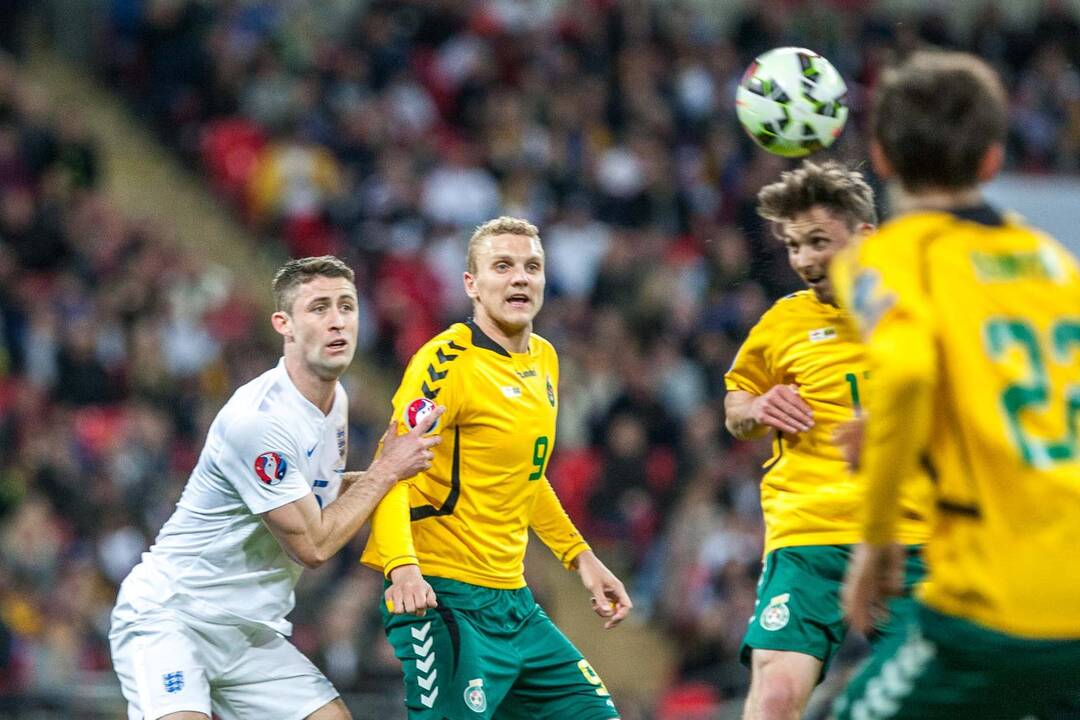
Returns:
(335,363)
(823,289)
(521,317)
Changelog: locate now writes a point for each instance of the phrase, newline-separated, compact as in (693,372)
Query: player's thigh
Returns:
(161,666)
(556,681)
(453,668)
(798,604)
(784,677)
(271,678)
(906,678)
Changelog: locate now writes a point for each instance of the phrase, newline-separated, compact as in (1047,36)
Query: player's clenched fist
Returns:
(409,592)
(411,453)
(782,408)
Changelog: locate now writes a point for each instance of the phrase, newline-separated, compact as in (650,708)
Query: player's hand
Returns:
(875,574)
(409,592)
(849,439)
(410,453)
(609,599)
(782,408)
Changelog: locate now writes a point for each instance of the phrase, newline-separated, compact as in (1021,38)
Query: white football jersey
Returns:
(215,558)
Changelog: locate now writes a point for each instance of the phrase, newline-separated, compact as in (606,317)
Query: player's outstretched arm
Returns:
(609,597)
(750,416)
(311,535)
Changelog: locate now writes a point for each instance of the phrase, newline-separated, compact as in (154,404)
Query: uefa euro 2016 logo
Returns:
(270,467)
(174,681)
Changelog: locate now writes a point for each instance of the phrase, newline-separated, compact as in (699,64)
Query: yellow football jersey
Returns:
(808,495)
(468,517)
(972,324)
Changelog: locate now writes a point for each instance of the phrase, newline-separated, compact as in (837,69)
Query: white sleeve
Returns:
(260,459)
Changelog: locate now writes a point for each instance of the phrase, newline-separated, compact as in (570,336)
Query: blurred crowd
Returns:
(383,132)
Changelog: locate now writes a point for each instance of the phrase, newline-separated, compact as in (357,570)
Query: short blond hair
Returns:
(503,225)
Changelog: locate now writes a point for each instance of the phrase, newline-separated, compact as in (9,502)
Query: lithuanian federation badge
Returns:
(551,391)
(776,615)
(475,697)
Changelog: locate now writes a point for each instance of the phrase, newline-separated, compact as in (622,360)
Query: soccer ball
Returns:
(417,412)
(792,101)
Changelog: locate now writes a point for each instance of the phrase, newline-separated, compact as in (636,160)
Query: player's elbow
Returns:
(308,554)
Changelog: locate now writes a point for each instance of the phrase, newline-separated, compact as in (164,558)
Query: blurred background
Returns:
(159,158)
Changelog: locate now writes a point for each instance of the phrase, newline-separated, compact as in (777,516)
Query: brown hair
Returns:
(936,115)
(293,274)
(830,184)
(503,225)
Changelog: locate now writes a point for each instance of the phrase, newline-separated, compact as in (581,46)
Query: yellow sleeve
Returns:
(554,527)
(898,331)
(391,528)
(391,531)
(750,369)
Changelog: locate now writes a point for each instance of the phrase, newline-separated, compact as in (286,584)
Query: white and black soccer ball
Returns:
(792,101)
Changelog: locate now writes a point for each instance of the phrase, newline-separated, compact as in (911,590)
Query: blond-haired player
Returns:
(451,542)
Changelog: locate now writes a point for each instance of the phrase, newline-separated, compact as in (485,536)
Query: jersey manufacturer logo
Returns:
(475,697)
(531,372)
(426,673)
(776,615)
(825,333)
(550,391)
(174,681)
(270,467)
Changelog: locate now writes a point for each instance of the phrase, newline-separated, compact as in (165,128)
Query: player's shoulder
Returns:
(454,340)
(790,306)
(541,345)
(262,403)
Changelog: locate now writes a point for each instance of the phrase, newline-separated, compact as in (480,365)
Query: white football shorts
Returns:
(168,661)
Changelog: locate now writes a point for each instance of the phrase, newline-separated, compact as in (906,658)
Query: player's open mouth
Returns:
(519,300)
(339,344)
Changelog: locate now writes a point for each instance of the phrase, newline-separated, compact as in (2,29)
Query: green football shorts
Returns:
(947,668)
(486,653)
(798,602)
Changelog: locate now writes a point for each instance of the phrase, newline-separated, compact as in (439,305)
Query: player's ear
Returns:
(470,284)
(882,167)
(864,230)
(282,323)
(991,162)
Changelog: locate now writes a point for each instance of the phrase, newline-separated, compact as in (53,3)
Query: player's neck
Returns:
(317,391)
(937,199)
(508,339)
